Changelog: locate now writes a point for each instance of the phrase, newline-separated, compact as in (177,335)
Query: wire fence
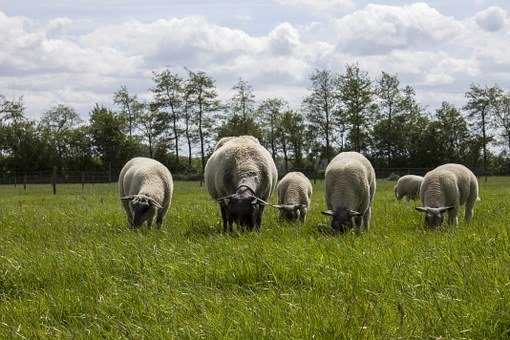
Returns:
(54,177)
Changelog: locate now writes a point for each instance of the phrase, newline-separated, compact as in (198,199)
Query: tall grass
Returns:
(70,267)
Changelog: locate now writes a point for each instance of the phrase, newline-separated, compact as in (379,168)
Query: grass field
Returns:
(70,267)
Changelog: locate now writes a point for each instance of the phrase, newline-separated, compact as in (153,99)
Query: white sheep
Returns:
(409,187)
(294,194)
(350,187)
(241,176)
(445,189)
(146,188)
(224,140)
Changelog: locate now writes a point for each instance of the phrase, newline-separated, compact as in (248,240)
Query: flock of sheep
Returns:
(241,176)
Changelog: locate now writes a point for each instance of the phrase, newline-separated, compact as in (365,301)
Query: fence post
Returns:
(109,172)
(82,180)
(15,180)
(54,180)
(25,181)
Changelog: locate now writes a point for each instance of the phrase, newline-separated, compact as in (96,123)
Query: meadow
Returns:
(70,267)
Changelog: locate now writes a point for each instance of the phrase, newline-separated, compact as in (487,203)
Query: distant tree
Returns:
(356,96)
(204,99)
(480,107)
(151,123)
(389,98)
(242,104)
(502,115)
(292,137)
(168,94)
(187,114)
(269,112)
(322,109)
(107,130)
(451,132)
(236,126)
(59,122)
(128,105)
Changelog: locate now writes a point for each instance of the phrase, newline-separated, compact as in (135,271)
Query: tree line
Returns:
(183,117)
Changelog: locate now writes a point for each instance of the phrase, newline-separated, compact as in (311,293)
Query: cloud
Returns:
(380,28)
(320,5)
(492,19)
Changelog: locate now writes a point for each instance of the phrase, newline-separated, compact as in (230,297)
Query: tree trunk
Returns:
(188,138)
(176,134)
(484,141)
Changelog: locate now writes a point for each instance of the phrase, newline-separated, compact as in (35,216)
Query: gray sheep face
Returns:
(343,219)
(434,217)
(142,208)
(290,213)
(241,208)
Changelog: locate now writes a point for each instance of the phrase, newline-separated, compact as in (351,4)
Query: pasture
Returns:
(70,267)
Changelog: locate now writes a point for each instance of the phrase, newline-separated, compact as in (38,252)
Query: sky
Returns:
(78,52)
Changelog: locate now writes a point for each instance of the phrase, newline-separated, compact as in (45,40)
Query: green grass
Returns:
(70,267)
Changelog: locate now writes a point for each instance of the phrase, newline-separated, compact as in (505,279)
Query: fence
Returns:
(54,178)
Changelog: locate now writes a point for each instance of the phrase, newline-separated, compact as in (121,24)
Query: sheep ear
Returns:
(329,213)
(127,198)
(277,206)
(443,209)
(421,209)
(155,204)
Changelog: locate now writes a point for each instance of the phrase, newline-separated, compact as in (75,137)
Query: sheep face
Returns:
(142,208)
(342,219)
(291,212)
(434,217)
(242,208)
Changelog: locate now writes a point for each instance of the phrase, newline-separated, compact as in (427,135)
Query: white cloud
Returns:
(320,5)
(380,28)
(492,19)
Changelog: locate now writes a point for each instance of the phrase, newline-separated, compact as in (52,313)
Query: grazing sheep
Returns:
(294,192)
(241,176)
(224,140)
(146,188)
(350,188)
(409,187)
(445,189)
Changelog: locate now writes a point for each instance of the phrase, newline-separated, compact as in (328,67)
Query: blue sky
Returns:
(79,52)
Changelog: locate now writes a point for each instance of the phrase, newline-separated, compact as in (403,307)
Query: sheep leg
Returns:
(259,217)
(452,217)
(159,216)
(470,204)
(224,218)
(366,218)
(129,214)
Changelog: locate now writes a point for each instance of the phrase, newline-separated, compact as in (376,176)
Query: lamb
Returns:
(294,193)
(445,189)
(409,187)
(241,176)
(350,189)
(146,189)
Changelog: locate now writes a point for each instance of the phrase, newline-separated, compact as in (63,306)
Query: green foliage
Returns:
(71,268)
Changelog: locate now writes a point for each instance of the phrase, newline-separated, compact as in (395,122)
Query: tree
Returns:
(128,105)
(502,115)
(59,122)
(187,113)
(480,107)
(168,93)
(291,135)
(270,111)
(242,104)
(107,130)
(204,100)
(322,109)
(151,124)
(389,97)
(452,133)
(356,96)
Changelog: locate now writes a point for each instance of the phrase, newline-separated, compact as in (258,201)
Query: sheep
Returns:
(241,176)
(224,140)
(294,193)
(445,189)
(146,189)
(350,189)
(409,187)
